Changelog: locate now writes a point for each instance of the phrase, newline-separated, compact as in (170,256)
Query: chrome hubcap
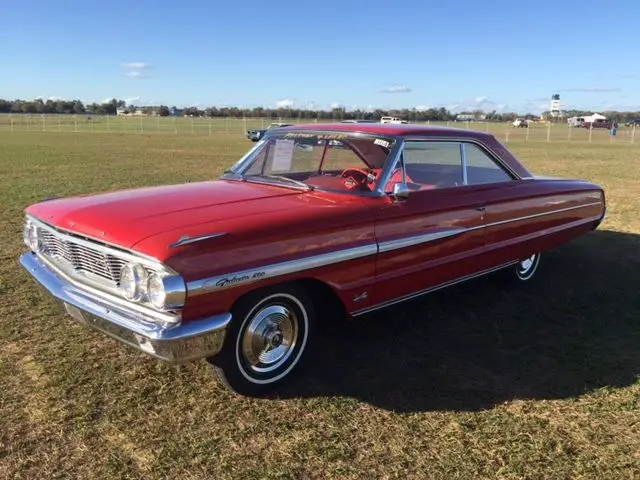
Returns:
(525,265)
(270,338)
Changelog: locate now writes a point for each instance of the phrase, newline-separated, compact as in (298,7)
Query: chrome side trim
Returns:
(535,215)
(173,344)
(221,282)
(185,240)
(429,290)
(233,279)
(405,242)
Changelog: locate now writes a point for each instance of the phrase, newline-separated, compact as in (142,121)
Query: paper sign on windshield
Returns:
(282,155)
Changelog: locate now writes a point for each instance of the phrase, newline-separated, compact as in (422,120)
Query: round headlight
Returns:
(33,238)
(156,292)
(133,281)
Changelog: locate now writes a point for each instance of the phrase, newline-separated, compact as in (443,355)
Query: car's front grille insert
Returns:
(81,258)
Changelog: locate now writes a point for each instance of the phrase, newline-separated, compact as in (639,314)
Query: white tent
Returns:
(593,117)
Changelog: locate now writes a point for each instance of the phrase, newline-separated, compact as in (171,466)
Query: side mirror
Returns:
(401,191)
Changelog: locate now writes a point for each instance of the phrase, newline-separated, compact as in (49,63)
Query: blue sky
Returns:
(461,54)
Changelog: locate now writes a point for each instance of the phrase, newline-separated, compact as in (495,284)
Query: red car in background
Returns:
(356,217)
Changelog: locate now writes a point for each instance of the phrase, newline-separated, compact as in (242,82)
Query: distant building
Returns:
(177,112)
(470,117)
(554,108)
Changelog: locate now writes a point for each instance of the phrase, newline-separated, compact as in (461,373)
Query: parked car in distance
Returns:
(633,123)
(358,121)
(576,122)
(520,123)
(241,270)
(395,120)
(255,135)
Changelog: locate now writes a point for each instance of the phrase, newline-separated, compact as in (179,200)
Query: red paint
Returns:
(268,224)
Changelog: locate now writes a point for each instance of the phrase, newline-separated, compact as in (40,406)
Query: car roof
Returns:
(389,129)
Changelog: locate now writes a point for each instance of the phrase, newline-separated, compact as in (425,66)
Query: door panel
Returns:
(426,240)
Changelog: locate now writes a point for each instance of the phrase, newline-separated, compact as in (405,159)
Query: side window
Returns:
(433,164)
(481,168)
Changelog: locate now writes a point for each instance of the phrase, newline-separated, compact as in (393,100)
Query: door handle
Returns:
(481,209)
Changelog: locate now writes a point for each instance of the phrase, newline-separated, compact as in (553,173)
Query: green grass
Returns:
(475,381)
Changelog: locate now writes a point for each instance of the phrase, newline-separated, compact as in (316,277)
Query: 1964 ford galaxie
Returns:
(355,216)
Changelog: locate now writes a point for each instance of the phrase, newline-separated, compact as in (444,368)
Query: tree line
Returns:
(59,106)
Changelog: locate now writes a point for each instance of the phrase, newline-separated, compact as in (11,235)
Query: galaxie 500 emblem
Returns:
(238,279)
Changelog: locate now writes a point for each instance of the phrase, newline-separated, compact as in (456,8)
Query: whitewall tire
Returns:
(525,269)
(269,339)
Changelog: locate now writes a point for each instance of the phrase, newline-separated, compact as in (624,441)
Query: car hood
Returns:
(124,218)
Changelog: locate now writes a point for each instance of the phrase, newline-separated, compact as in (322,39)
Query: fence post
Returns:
(633,132)
(175,125)
(141,127)
(108,123)
(506,137)
(158,123)
(11,120)
(548,132)
(526,139)
(590,131)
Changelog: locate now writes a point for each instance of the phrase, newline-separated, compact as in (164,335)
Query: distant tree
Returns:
(163,111)
(78,107)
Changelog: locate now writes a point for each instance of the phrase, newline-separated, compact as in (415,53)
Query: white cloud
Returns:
(481,100)
(131,100)
(135,74)
(336,105)
(421,108)
(286,103)
(107,100)
(135,65)
(397,88)
(44,98)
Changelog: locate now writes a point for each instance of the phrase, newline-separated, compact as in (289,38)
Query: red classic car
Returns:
(355,217)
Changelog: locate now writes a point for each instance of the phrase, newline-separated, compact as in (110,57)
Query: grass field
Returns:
(178,126)
(474,381)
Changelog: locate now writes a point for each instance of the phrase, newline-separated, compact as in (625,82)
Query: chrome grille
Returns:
(81,258)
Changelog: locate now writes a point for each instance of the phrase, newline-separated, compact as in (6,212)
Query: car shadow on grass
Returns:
(573,329)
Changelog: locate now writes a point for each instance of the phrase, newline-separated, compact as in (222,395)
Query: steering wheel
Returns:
(362,177)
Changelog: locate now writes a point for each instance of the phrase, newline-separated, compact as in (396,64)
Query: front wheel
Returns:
(267,341)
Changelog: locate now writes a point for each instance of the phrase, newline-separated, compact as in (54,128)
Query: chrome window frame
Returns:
(241,166)
(462,141)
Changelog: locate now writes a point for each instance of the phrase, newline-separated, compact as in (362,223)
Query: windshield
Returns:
(339,162)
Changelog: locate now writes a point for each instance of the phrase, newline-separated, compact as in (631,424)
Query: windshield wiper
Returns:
(282,178)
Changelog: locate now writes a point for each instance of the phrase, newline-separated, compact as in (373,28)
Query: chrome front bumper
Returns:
(174,344)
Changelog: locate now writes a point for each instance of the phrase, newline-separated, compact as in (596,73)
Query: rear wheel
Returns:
(268,340)
(526,269)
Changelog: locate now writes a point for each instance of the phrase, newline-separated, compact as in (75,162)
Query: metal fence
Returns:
(536,132)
